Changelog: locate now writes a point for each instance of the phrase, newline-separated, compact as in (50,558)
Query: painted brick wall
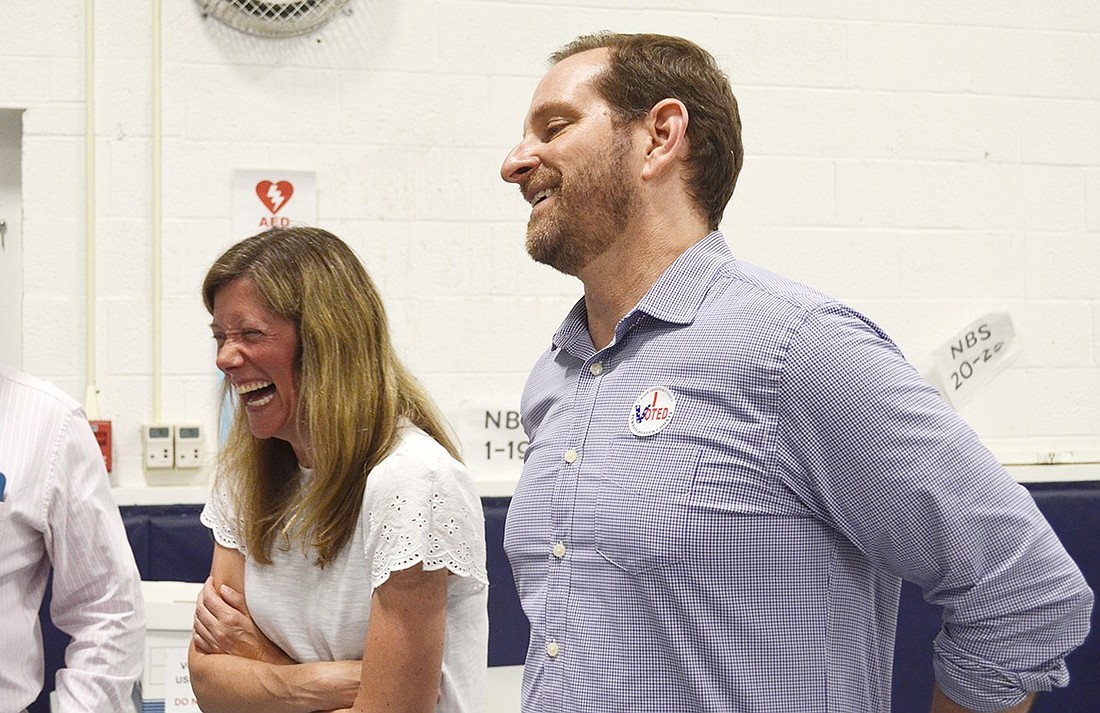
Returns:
(926,162)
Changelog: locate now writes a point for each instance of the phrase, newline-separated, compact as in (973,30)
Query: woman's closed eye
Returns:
(242,335)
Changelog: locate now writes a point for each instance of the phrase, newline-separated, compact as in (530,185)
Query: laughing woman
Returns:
(349,564)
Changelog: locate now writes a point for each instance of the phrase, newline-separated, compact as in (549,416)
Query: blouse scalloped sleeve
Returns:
(420,507)
(219,516)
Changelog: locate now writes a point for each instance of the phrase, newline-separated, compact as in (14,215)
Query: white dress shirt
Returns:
(57,510)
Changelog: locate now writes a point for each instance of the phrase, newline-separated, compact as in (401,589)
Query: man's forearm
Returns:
(942,704)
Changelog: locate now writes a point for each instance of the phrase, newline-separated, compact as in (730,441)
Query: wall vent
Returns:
(273,18)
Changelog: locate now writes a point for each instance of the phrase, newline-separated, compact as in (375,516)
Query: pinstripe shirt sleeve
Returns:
(875,451)
(96,587)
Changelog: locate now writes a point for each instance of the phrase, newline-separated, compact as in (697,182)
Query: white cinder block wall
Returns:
(927,162)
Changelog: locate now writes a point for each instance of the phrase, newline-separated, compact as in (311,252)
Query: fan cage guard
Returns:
(273,18)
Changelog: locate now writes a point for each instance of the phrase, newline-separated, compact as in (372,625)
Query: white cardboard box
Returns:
(170,612)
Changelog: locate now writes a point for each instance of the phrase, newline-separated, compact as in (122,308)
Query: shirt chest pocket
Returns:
(644,504)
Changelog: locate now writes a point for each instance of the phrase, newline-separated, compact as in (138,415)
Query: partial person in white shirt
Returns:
(56,510)
(349,564)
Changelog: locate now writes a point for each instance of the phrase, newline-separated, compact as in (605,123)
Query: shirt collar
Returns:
(674,298)
(573,334)
(678,293)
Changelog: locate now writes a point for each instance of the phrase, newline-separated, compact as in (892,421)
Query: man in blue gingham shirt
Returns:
(729,473)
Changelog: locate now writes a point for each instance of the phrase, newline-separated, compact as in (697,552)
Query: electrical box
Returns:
(159,451)
(102,431)
(189,446)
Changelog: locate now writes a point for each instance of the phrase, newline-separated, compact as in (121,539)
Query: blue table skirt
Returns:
(170,544)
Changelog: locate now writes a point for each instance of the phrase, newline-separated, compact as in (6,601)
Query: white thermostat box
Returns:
(159,451)
(189,446)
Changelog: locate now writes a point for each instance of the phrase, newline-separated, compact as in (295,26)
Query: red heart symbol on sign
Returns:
(274,195)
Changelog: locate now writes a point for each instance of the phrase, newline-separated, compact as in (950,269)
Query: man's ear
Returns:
(666,124)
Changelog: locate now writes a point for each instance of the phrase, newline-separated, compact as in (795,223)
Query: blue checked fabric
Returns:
(746,556)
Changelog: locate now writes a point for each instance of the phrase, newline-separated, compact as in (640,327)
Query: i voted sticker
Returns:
(652,411)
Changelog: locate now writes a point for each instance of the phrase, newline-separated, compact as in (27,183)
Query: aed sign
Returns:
(978,352)
(272,199)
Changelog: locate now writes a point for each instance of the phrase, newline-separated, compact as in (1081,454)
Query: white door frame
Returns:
(11,244)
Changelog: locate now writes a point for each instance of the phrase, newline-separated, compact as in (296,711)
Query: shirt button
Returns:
(559,549)
(596,369)
(552,649)
(570,455)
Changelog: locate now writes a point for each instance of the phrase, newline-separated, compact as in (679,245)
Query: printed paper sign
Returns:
(979,352)
(493,442)
(178,696)
(272,199)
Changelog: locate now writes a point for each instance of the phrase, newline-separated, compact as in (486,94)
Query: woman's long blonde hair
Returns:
(353,392)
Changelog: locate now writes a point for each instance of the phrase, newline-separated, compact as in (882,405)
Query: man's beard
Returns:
(589,214)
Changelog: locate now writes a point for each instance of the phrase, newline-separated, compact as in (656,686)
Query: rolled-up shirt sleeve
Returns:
(875,451)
